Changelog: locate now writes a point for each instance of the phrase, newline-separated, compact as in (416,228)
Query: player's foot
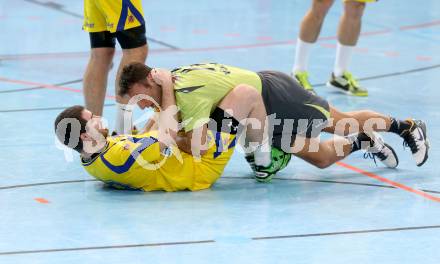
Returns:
(415,138)
(347,84)
(303,78)
(381,150)
(280,159)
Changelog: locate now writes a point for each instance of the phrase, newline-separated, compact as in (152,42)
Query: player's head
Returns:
(136,80)
(81,130)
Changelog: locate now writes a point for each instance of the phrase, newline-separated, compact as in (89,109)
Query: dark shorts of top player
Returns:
(292,111)
(127,38)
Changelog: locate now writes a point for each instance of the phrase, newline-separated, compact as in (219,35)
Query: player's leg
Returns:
(304,115)
(348,34)
(322,154)
(95,76)
(125,20)
(134,49)
(309,32)
(308,146)
(246,105)
(413,132)
(245,102)
(102,44)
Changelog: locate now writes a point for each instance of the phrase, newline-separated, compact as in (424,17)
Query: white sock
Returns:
(262,155)
(124,116)
(302,54)
(343,58)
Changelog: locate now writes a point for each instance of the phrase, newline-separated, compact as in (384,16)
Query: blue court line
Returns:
(176,49)
(42,109)
(395,229)
(54,6)
(223,177)
(374,77)
(210,241)
(40,87)
(45,183)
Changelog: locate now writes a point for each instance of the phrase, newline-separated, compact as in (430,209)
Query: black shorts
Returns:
(291,109)
(128,39)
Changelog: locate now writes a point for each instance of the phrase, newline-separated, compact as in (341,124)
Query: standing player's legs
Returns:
(348,34)
(98,67)
(102,44)
(309,32)
(134,49)
(124,21)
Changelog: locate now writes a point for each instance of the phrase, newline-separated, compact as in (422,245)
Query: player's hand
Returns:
(162,77)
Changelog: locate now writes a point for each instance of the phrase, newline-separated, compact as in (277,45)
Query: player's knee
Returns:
(317,160)
(323,158)
(135,54)
(246,93)
(104,55)
(322,163)
(354,10)
(320,8)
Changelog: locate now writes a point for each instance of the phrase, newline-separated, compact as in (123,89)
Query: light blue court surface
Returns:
(53,212)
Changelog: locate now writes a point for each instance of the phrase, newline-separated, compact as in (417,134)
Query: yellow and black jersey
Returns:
(199,88)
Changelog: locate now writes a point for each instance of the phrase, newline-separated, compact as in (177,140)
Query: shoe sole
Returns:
(268,179)
(328,84)
(427,145)
(395,155)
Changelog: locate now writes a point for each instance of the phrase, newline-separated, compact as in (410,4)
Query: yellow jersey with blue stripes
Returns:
(114,15)
(136,162)
(199,88)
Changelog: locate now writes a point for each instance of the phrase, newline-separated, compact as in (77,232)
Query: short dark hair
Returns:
(132,73)
(65,136)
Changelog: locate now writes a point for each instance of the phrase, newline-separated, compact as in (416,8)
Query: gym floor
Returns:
(352,212)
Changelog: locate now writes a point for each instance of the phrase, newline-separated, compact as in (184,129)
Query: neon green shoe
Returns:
(347,84)
(303,78)
(280,159)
